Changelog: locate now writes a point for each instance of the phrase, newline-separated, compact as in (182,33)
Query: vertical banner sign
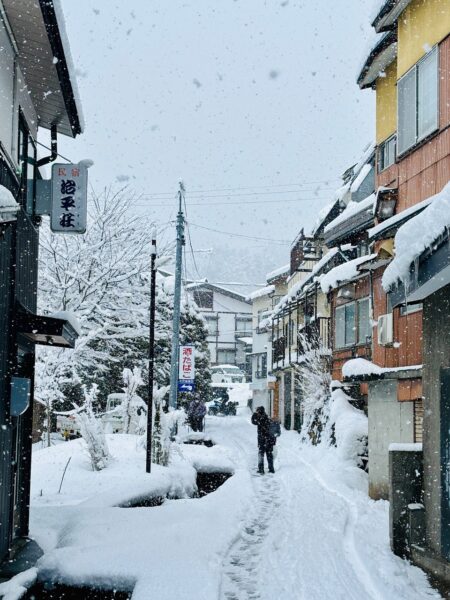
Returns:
(69,198)
(186,371)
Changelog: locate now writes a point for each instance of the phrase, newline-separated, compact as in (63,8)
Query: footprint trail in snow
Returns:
(240,580)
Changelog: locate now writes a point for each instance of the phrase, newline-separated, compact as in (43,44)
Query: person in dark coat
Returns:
(196,412)
(266,441)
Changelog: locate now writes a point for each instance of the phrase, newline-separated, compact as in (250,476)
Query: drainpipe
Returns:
(54,148)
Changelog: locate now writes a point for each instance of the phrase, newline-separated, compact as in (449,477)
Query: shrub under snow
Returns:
(350,428)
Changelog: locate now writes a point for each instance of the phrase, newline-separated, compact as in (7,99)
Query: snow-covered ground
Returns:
(309,531)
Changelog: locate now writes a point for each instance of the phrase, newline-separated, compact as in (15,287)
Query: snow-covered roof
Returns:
(217,288)
(352,209)
(343,273)
(416,235)
(284,270)
(382,53)
(386,13)
(245,340)
(398,218)
(8,205)
(45,59)
(265,291)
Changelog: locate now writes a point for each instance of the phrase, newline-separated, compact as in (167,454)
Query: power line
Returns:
(249,237)
(206,204)
(60,155)
(252,187)
(241,194)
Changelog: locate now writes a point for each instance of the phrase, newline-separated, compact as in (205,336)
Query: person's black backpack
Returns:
(274,428)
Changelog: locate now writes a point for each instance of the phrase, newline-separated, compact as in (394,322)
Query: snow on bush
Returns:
(133,409)
(313,378)
(92,430)
(350,428)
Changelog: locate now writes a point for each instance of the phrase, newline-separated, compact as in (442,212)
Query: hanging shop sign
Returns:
(68,198)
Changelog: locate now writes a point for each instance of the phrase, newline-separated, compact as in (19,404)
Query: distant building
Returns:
(228,315)
(263,302)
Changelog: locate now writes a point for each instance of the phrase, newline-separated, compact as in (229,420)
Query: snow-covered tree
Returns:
(92,430)
(132,409)
(314,379)
(102,277)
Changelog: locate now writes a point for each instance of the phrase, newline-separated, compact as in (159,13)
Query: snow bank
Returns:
(353,208)
(343,273)
(265,291)
(418,234)
(351,427)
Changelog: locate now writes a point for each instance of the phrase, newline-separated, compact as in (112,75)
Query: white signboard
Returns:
(186,371)
(69,198)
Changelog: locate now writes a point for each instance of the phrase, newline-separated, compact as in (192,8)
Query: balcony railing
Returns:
(279,346)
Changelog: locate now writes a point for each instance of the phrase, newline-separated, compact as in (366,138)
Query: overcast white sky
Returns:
(225,94)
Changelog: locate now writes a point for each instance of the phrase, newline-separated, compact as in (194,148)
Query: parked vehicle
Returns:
(227,374)
(68,427)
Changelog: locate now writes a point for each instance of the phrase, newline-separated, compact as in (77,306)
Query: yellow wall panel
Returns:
(422,24)
(386,104)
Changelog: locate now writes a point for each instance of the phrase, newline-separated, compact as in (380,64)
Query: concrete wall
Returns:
(389,421)
(436,354)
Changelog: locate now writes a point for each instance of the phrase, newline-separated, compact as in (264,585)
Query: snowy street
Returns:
(309,531)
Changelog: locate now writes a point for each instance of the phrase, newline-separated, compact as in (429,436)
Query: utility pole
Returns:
(177,301)
(151,354)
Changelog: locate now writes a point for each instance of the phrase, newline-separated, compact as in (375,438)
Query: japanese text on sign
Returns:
(69,198)
(187,363)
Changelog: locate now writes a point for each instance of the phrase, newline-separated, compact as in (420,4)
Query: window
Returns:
(386,153)
(261,366)
(226,357)
(364,328)
(407,309)
(212,323)
(244,326)
(203,298)
(350,332)
(352,324)
(418,101)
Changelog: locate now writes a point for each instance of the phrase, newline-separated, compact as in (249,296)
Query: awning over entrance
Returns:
(44,330)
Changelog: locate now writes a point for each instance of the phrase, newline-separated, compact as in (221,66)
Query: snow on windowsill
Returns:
(404,447)
(70,317)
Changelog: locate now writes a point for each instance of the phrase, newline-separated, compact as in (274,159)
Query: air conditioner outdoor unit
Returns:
(385,330)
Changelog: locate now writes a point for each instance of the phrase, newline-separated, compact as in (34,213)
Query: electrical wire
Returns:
(249,237)
(60,155)
(240,203)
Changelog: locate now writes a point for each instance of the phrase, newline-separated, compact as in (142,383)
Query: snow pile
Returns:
(405,447)
(352,209)
(357,367)
(350,428)
(265,291)
(17,587)
(343,273)
(70,317)
(8,205)
(418,234)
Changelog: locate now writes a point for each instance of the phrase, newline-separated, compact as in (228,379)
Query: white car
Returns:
(227,374)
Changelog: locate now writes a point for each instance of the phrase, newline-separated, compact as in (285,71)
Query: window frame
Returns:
(363,342)
(383,149)
(415,72)
(355,340)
